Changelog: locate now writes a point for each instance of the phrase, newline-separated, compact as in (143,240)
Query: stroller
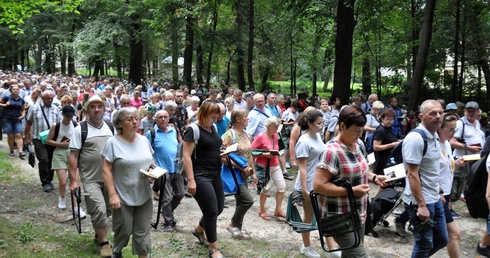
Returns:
(381,206)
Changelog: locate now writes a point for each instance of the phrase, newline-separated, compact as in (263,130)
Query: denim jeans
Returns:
(435,239)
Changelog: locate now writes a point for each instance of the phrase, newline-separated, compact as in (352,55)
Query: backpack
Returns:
(476,188)
(57,129)
(84,130)
(152,134)
(369,141)
(396,153)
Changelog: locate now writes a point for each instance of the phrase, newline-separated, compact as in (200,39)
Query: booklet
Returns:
(371,158)
(156,172)
(395,172)
(471,157)
(229,149)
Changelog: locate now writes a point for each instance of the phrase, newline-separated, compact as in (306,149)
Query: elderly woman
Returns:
(268,140)
(170,107)
(129,191)
(192,109)
(202,165)
(136,101)
(244,200)
(345,158)
(384,141)
(372,118)
(229,103)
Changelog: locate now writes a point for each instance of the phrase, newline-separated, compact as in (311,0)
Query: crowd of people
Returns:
(91,130)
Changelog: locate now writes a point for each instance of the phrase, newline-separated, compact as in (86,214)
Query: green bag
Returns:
(43,136)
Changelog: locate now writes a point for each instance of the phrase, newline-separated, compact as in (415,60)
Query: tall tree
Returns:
(420,62)
(343,50)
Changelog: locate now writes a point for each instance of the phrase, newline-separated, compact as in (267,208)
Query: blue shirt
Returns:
(165,148)
(14,110)
(222,125)
(274,111)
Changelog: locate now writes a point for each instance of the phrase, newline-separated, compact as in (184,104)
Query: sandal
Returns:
(200,237)
(264,216)
(213,251)
(246,235)
(280,215)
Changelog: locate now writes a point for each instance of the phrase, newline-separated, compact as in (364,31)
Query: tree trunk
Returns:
(454,85)
(366,75)
(63,60)
(241,22)
(175,47)
(265,77)
(189,49)
(250,56)
(343,50)
(135,53)
(211,48)
(199,62)
(425,38)
(71,63)
(328,74)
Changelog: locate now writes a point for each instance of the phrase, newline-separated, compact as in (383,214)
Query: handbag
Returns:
(43,136)
(230,178)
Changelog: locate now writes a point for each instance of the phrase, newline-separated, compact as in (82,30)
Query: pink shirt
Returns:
(136,103)
(263,142)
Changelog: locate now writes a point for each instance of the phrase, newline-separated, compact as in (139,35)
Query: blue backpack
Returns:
(369,141)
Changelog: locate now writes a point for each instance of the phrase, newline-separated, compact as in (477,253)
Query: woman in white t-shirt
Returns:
(372,118)
(308,151)
(446,132)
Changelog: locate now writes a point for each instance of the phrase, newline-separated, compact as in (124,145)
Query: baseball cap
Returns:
(451,106)
(472,104)
(68,111)
(193,92)
(94,98)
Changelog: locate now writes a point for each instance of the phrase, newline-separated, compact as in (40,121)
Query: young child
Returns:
(148,121)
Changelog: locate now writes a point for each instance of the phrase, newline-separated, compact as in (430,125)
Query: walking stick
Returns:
(163,179)
(75,197)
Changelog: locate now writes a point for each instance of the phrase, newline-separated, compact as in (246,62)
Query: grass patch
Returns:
(10,172)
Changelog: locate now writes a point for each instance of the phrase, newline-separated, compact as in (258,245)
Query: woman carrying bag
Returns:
(244,199)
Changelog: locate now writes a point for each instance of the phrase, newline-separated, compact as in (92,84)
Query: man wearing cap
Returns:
(85,155)
(468,139)
(39,118)
(451,109)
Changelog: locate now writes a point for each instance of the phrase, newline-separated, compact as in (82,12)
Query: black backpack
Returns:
(396,153)
(476,185)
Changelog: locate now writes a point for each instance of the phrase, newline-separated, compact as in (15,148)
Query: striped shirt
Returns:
(351,166)
(35,115)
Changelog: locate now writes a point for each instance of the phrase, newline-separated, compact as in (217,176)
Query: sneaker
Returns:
(287,176)
(309,252)
(106,250)
(288,165)
(483,251)
(82,213)
(62,203)
(454,214)
(400,228)
(168,228)
(12,153)
(47,188)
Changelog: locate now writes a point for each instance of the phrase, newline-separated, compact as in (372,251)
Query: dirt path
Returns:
(15,200)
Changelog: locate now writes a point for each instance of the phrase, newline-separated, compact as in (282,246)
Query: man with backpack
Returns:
(468,139)
(163,139)
(86,143)
(421,194)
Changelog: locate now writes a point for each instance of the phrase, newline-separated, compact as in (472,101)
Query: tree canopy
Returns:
(386,46)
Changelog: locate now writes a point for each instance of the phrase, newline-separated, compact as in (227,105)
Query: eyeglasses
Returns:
(131,118)
(454,130)
(160,117)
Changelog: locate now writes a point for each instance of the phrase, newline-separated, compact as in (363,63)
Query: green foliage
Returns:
(15,13)
(24,234)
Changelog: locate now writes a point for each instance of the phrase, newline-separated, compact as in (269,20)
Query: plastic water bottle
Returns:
(392,161)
